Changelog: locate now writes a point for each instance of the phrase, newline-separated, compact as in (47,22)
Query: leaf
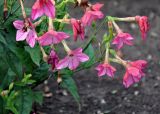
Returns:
(69,84)
(90,52)
(38,97)
(2,40)
(35,54)
(1,105)
(24,101)
(13,63)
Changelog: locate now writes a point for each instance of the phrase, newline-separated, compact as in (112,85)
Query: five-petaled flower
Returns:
(53,59)
(42,7)
(143,25)
(52,37)
(26,31)
(134,72)
(105,68)
(78,29)
(121,39)
(92,13)
(73,59)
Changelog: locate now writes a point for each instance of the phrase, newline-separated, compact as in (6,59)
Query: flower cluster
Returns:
(26,30)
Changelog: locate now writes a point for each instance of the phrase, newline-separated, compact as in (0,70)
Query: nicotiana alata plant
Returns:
(32,38)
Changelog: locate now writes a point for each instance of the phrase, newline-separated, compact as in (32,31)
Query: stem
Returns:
(67,49)
(121,60)
(50,24)
(94,34)
(5,9)
(126,19)
(38,22)
(45,56)
(107,54)
(116,27)
(23,10)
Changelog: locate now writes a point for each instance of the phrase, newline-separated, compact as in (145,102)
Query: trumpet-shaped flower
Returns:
(105,68)
(78,29)
(143,25)
(134,72)
(53,59)
(121,39)
(25,31)
(42,7)
(52,37)
(73,59)
(92,13)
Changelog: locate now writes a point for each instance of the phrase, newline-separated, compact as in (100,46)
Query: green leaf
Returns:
(69,84)
(35,54)
(38,97)
(13,62)
(90,52)
(24,101)
(2,40)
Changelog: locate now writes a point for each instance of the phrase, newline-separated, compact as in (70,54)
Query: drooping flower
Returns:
(73,59)
(92,13)
(25,31)
(121,39)
(143,25)
(53,59)
(52,37)
(105,68)
(78,29)
(134,72)
(42,7)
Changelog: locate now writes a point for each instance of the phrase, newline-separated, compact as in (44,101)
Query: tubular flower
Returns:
(92,13)
(73,59)
(143,25)
(52,37)
(134,72)
(78,29)
(105,68)
(121,39)
(42,7)
(53,59)
(25,31)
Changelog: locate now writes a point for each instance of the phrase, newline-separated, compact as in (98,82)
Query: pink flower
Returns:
(73,59)
(134,72)
(53,59)
(105,68)
(52,37)
(92,14)
(78,29)
(143,25)
(121,39)
(25,31)
(42,7)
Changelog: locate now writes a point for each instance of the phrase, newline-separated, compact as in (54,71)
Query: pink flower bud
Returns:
(143,25)
(53,59)
(78,29)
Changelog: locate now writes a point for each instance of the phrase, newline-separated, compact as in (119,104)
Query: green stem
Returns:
(94,34)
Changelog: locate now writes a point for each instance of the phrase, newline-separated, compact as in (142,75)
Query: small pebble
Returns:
(136,93)
(149,57)
(103,101)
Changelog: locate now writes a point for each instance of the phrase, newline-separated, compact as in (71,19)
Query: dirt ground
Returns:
(108,96)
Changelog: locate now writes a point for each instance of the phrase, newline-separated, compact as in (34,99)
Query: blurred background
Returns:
(108,96)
